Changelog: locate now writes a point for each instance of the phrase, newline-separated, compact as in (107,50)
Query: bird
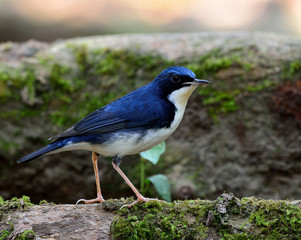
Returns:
(129,125)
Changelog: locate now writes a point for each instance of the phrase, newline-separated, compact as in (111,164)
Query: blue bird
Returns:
(133,123)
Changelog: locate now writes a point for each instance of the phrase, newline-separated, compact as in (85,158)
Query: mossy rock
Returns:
(227,217)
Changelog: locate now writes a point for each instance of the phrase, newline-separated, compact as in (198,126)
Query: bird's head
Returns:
(177,83)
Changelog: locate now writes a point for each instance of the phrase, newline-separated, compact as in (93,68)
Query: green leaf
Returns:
(153,154)
(161,184)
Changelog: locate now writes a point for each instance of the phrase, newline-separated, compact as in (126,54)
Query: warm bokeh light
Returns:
(228,14)
(293,8)
(220,14)
(57,10)
(158,11)
(85,17)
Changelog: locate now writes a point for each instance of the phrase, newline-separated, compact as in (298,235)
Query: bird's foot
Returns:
(140,199)
(98,199)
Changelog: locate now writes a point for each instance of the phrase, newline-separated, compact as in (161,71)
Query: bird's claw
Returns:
(80,200)
(98,199)
(140,199)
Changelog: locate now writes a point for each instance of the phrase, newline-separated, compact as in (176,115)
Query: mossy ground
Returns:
(10,205)
(160,220)
(226,218)
(13,204)
(26,235)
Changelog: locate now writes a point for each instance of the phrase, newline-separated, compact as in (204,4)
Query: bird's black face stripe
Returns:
(174,83)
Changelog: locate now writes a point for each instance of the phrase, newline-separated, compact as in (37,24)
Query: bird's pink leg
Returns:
(140,198)
(99,195)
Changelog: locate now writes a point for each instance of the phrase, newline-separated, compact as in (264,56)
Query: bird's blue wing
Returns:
(135,110)
(97,122)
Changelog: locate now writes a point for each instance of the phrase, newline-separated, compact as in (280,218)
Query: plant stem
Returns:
(142,175)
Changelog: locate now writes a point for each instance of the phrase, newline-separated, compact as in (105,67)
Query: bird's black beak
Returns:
(201,81)
(198,82)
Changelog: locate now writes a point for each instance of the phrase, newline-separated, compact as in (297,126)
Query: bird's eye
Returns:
(175,78)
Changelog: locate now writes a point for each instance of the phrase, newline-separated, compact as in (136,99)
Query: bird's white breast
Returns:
(179,98)
(123,144)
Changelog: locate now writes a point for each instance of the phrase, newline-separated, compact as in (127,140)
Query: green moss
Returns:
(222,98)
(26,235)
(14,203)
(57,79)
(295,67)
(227,217)
(219,102)
(264,84)
(115,204)
(4,234)
(215,97)
(10,80)
(291,69)
(231,218)
(160,220)
(247,66)
(225,101)
(264,219)
(209,65)
(80,53)
(219,97)
(275,219)
(44,202)
(7,146)
(10,205)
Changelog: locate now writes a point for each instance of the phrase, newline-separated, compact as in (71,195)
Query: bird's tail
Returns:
(44,150)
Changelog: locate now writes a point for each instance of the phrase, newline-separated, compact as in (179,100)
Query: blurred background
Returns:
(21,20)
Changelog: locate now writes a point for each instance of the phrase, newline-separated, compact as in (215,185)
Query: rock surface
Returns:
(63,222)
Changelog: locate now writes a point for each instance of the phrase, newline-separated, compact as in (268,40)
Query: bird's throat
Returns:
(180,97)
